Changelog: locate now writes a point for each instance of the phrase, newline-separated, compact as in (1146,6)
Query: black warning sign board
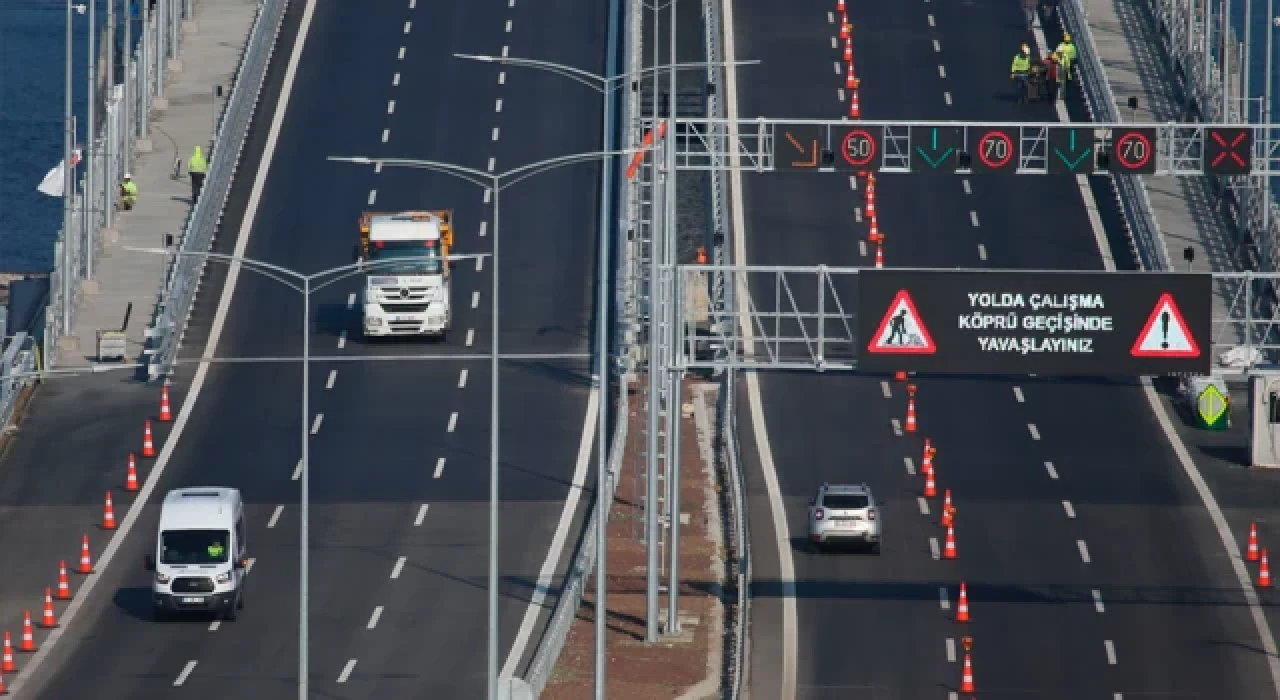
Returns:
(1005,322)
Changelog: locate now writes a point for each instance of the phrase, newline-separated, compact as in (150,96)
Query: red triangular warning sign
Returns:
(902,331)
(1166,333)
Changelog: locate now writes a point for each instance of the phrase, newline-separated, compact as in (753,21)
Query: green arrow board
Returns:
(1070,151)
(934,147)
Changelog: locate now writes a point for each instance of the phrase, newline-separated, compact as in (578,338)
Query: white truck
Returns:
(406,261)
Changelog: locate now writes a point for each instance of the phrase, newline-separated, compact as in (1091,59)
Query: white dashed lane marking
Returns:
(395,80)
(973,218)
(937,48)
(439,468)
(315,424)
(400,55)
(475,299)
(342,340)
(982,252)
(351,298)
(497,107)
(373,619)
(399,566)
(835,43)
(968,189)
(924,505)
(951,650)
(508,25)
(910,465)
(1068,509)
(413,4)
(942,71)
(391,106)
(1053,473)
(471,337)
(932,23)
(836,65)
(1111,651)
(297,471)
(897,427)
(1017,394)
(944,598)
(493,162)
(933,548)
(502,77)
(186,671)
(884,389)
(505,50)
(484,228)
(946,97)
(373,197)
(453,421)
(333,377)
(488,193)
(1097,601)
(495,133)
(346,671)
(462,379)
(1084,551)
(1035,432)
(275,516)
(407,27)
(386,135)
(479,264)
(422,515)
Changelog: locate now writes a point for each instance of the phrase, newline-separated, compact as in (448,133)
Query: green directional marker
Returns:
(937,159)
(1070,162)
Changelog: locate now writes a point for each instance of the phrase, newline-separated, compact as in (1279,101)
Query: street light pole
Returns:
(90,94)
(304,505)
(494,182)
(68,194)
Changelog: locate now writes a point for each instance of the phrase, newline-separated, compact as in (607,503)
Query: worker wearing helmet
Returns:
(1019,70)
(1067,48)
(128,192)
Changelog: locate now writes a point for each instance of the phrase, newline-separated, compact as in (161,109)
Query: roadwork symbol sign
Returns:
(901,331)
(1166,333)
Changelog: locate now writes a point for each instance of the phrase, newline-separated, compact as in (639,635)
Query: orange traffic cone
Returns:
(962,607)
(701,257)
(949,550)
(927,464)
(1264,572)
(3,690)
(930,487)
(855,106)
(86,562)
(911,408)
(1251,553)
(47,619)
(848,51)
(850,82)
(108,514)
(840,6)
(874,235)
(7,664)
(879,256)
(871,200)
(947,509)
(148,447)
(166,413)
(131,477)
(844,30)
(28,634)
(900,376)
(928,445)
(966,681)
(64,586)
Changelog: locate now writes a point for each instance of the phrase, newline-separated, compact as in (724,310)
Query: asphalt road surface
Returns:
(1091,565)
(399,450)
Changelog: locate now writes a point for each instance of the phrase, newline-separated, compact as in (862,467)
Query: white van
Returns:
(200,555)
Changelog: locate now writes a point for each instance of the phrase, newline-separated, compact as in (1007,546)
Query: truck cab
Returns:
(407,285)
(200,558)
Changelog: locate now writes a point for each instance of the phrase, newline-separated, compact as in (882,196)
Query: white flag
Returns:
(53,183)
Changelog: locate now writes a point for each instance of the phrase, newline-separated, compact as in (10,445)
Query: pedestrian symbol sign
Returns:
(1166,333)
(902,332)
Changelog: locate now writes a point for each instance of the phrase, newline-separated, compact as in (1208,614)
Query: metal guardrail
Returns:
(575,580)
(1182,31)
(16,364)
(183,272)
(737,645)
(1130,190)
(128,119)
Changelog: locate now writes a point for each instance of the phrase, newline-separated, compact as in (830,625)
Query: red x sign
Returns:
(1228,151)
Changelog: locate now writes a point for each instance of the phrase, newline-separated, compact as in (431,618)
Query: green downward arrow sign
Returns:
(934,162)
(1073,163)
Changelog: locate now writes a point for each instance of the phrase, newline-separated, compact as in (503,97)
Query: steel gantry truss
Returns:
(805,318)
(1027,148)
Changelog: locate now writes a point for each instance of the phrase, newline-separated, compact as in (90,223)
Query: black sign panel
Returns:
(799,147)
(1228,151)
(857,148)
(993,149)
(1049,323)
(1133,151)
(935,148)
(1071,151)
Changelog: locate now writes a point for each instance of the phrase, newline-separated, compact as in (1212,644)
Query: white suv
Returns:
(844,513)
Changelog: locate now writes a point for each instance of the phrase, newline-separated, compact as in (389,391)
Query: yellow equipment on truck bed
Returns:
(443,216)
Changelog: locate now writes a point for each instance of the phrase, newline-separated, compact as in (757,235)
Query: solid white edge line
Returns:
(85,591)
(558,540)
(777,511)
(1229,543)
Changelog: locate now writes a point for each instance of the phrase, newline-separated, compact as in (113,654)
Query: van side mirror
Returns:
(149,563)
(239,564)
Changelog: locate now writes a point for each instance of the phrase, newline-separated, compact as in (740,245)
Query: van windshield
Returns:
(195,546)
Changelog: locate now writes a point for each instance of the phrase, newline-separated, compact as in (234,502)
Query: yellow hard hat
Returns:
(1066,37)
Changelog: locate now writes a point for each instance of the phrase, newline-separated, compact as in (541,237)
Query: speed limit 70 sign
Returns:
(1133,151)
(993,149)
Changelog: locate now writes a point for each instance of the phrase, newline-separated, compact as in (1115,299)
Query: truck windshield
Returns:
(406,257)
(195,546)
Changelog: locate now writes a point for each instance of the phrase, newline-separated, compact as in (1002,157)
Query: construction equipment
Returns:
(407,284)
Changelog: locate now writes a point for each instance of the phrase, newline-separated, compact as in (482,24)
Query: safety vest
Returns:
(130,188)
(1067,64)
(1068,49)
(197,164)
(1021,64)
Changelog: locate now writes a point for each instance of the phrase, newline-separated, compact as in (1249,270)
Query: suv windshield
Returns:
(194,546)
(406,257)
(845,501)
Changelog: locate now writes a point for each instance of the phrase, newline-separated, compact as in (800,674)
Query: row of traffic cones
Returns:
(48,615)
(1252,554)
(949,550)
